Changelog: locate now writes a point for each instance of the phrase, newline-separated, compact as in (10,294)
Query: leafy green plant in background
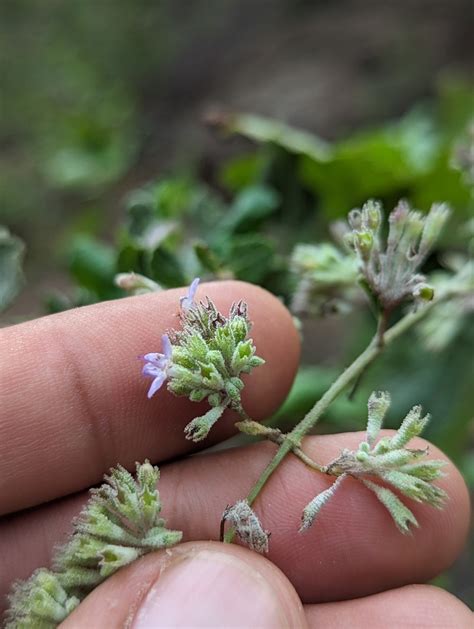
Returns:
(288,191)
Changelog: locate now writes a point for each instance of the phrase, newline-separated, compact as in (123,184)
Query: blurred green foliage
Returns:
(287,190)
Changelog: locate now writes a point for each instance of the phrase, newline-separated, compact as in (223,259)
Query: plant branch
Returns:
(292,440)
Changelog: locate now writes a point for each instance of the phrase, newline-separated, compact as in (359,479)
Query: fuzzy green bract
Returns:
(119,524)
(209,355)
(389,460)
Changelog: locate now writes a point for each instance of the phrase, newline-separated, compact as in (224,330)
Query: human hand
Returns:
(73,405)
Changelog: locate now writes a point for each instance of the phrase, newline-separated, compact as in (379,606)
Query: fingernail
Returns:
(211,589)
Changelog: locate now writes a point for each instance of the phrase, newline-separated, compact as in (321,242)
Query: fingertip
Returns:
(220,585)
(410,606)
(450,524)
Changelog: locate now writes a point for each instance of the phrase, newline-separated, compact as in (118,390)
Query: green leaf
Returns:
(249,209)
(372,165)
(93,265)
(132,259)
(207,257)
(250,257)
(172,197)
(242,171)
(11,274)
(293,140)
(166,268)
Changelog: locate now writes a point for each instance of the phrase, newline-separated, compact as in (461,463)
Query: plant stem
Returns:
(293,439)
(382,326)
(255,429)
(308,461)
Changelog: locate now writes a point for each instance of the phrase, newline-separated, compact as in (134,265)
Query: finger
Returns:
(74,402)
(354,549)
(420,606)
(202,584)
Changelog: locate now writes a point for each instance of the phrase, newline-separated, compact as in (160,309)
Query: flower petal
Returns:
(151,370)
(156,384)
(167,348)
(193,288)
(187,302)
(155,358)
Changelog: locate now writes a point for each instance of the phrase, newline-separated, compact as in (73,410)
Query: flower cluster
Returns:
(391,270)
(325,274)
(390,461)
(41,602)
(119,524)
(205,359)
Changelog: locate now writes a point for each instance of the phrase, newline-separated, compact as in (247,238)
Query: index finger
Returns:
(74,403)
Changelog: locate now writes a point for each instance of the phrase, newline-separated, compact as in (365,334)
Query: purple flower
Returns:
(187,301)
(157,365)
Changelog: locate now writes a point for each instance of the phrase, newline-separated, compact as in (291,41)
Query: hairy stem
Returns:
(382,326)
(255,429)
(292,440)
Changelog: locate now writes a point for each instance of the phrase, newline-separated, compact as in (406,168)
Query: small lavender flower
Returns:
(157,365)
(205,359)
(187,301)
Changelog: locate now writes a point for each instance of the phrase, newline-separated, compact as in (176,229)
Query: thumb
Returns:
(197,584)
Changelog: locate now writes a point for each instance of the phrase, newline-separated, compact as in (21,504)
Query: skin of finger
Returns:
(420,606)
(74,401)
(353,550)
(115,603)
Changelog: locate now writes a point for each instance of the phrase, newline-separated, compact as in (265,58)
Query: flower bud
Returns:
(378,405)
(355,219)
(364,242)
(199,428)
(434,224)
(232,391)
(424,292)
(136,283)
(239,328)
(114,557)
(312,509)
(372,215)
